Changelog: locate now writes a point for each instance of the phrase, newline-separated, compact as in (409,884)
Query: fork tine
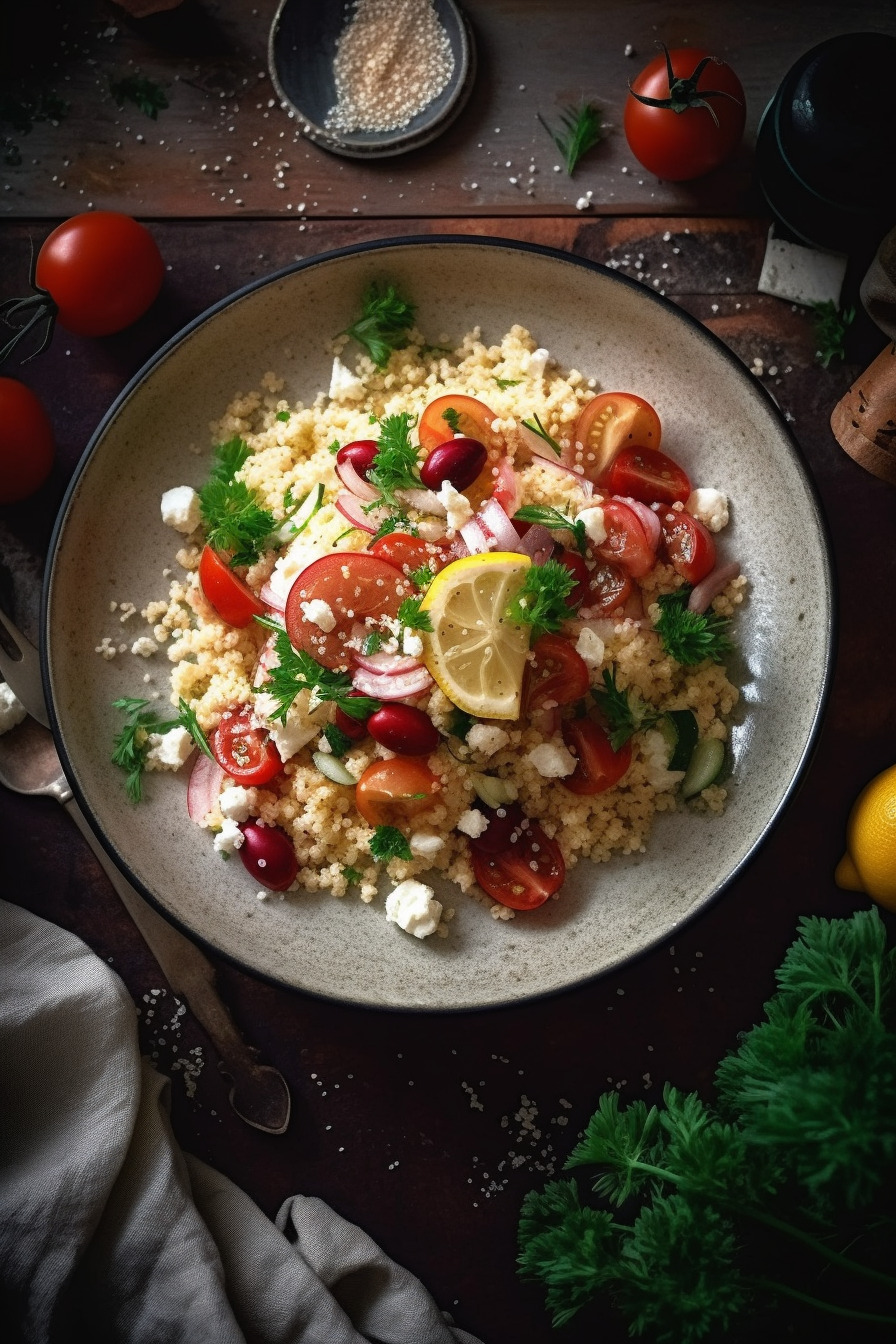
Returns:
(21,670)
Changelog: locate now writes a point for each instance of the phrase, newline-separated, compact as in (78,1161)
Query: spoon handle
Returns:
(259,1094)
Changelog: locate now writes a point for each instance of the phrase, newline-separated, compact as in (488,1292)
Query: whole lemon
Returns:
(869,863)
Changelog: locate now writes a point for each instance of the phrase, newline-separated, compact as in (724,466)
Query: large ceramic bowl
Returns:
(110,545)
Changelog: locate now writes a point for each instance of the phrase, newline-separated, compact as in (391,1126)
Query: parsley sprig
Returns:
(143,92)
(296,671)
(691,636)
(541,601)
(131,746)
(829,326)
(387,842)
(625,711)
(580,130)
(556,520)
(385,321)
(695,1204)
(395,466)
(235,523)
(412,617)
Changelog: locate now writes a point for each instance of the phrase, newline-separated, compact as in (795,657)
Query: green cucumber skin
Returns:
(705,767)
(685,723)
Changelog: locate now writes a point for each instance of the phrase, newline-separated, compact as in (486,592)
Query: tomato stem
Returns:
(44,310)
(683,91)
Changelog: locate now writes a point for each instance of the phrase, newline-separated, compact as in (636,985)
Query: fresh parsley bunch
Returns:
(131,745)
(696,1205)
(541,601)
(385,322)
(234,521)
(691,636)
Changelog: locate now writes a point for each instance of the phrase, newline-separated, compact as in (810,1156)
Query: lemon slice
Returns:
(475,654)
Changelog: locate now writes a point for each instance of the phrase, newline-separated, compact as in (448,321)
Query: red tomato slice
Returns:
(515,862)
(689,546)
(408,553)
(474,421)
(609,588)
(626,544)
(243,749)
(598,766)
(612,421)
(390,792)
(555,674)
(575,563)
(233,600)
(648,475)
(354,585)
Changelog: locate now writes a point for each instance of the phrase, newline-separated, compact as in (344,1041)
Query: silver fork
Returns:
(30,764)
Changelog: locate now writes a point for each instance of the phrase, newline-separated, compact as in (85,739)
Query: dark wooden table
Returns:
(428,1130)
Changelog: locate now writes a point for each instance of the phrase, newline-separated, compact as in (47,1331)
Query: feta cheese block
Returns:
(413,907)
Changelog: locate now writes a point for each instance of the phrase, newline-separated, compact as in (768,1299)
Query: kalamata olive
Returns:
(458,461)
(360,453)
(267,854)
(404,729)
(347,723)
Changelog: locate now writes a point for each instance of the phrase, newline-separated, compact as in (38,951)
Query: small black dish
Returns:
(301,50)
(825,147)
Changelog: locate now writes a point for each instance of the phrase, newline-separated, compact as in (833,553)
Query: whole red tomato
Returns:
(102,270)
(26,442)
(684,114)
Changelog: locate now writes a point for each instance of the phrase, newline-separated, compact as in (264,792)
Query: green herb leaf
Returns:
(452,418)
(235,523)
(538,428)
(296,671)
(691,636)
(556,521)
(334,447)
(131,745)
(423,576)
(385,321)
(625,711)
(460,724)
(396,522)
(504,383)
(339,741)
(412,617)
(830,325)
(144,93)
(282,416)
(352,876)
(395,466)
(580,130)
(541,601)
(372,643)
(387,842)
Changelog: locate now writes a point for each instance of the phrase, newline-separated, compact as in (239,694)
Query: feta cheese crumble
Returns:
(590,647)
(472,822)
(487,738)
(594,524)
(413,907)
(551,760)
(344,385)
(709,506)
(458,508)
(229,838)
(169,751)
(12,711)
(319,613)
(236,803)
(180,508)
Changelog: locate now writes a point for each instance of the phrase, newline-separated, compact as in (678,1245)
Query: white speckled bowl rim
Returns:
(109,545)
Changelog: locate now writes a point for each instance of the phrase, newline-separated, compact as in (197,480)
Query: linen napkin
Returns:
(109,1232)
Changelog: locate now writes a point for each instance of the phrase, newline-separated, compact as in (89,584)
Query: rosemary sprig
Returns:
(582,128)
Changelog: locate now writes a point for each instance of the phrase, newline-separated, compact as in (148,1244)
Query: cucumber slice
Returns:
(299,520)
(684,722)
(333,768)
(492,791)
(706,763)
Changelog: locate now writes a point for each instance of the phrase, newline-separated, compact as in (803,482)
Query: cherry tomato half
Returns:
(612,421)
(575,563)
(408,553)
(609,588)
(244,750)
(474,421)
(26,442)
(626,544)
(102,270)
(268,854)
(233,600)
(514,861)
(347,723)
(598,766)
(353,584)
(555,674)
(689,546)
(390,792)
(647,475)
(679,144)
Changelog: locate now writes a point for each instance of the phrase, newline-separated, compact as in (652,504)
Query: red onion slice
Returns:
(203,788)
(387,664)
(425,501)
(536,543)
(397,687)
(351,508)
(354,482)
(712,585)
(271,598)
(494,520)
(546,721)
(477,541)
(507,490)
(647,517)
(267,658)
(581,480)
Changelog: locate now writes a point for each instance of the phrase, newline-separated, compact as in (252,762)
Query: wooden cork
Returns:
(864,421)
